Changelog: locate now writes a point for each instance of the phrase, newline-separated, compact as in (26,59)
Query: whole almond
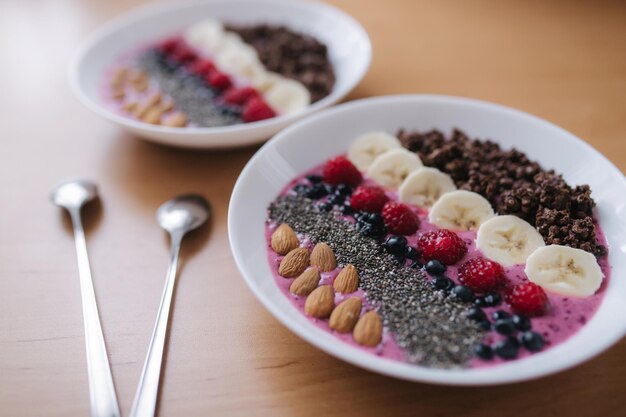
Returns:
(294,263)
(177,119)
(323,257)
(153,116)
(345,316)
(347,280)
(306,282)
(320,302)
(369,329)
(284,239)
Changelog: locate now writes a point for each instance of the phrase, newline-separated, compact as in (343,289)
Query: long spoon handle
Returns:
(144,404)
(101,390)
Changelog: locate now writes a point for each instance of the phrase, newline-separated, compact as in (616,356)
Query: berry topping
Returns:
(184,54)
(257,109)
(168,45)
(507,349)
(504,326)
(521,322)
(395,245)
(400,219)
(500,315)
(476,314)
(434,267)
(443,283)
(340,170)
(442,245)
(369,199)
(463,293)
(481,274)
(202,67)
(532,341)
(239,96)
(527,298)
(218,80)
(483,352)
(411,253)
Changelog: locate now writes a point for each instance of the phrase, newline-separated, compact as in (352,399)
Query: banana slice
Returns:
(367,147)
(564,270)
(207,35)
(460,210)
(424,187)
(241,60)
(392,167)
(287,96)
(508,240)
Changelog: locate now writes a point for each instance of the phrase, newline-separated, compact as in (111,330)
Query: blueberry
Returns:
(532,341)
(484,325)
(395,245)
(480,302)
(314,179)
(400,259)
(416,265)
(343,189)
(330,189)
(443,283)
(492,299)
(301,189)
(504,326)
(336,199)
(316,191)
(435,267)
(483,352)
(374,218)
(500,314)
(346,209)
(507,348)
(463,293)
(521,322)
(476,313)
(412,253)
(325,207)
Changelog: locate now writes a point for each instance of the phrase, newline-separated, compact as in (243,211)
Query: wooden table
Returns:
(564,61)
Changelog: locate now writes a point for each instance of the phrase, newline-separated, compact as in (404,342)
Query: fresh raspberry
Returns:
(257,109)
(527,298)
(341,171)
(442,245)
(370,199)
(239,96)
(481,275)
(400,219)
(218,80)
(184,54)
(168,45)
(203,67)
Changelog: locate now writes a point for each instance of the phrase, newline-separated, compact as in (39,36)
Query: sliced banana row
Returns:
(508,240)
(232,55)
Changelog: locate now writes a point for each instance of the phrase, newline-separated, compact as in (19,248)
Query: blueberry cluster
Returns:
(437,270)
(397,246)
(507,325)
(370,225)
(337,195)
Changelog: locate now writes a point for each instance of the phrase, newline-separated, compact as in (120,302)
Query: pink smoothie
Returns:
(566,315)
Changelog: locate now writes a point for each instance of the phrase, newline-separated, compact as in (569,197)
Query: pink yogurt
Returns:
(566,315)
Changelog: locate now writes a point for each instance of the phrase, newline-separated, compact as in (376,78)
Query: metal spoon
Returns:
(178,216)
(73,195)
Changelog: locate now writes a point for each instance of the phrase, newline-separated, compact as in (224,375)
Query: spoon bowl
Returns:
(73,194)
(183,213)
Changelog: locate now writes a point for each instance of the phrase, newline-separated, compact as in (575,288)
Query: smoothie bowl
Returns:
(219,73)
(435,239)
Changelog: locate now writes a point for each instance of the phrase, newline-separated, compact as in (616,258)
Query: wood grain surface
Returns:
(562,60)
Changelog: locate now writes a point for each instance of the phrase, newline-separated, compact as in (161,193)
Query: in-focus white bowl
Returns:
(312,141)
(348,45)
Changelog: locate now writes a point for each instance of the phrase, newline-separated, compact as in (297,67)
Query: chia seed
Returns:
(428,324)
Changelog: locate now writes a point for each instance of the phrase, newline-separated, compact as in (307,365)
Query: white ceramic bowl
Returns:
(312,141)
(348,46)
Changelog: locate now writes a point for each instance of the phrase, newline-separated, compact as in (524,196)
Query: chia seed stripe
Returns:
(429,325)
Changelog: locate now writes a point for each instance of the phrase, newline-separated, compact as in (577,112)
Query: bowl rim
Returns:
(384,366)
(150,10)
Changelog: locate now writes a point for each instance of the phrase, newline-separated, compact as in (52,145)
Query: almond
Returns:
(131,106)
(294,263)
(120,76)
(118,93)
(178,119)
(306,282)
(347,280)
(153,116)
(320,302)
(284,239)
(369,329)
(345,316)
(323,257)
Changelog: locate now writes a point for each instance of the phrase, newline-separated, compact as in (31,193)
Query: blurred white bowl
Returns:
(314,140)
(348,46)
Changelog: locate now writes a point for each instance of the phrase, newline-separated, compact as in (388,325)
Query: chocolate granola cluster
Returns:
(293,55)
(513,184)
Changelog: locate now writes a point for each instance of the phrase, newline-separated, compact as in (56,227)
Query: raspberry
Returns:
(400,219)
(442,245)
(257,109)
(203,67)
(184,54)
(239,96)
(341,171)
(369,199)
(527,298)
(218,80)
(168,45)
(481,275)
